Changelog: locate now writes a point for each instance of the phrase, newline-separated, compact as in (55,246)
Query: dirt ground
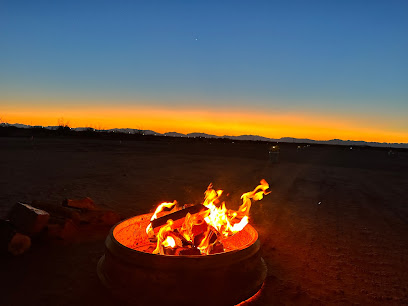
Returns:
(334,229)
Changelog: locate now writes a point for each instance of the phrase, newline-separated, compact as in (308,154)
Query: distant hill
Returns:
(241,137)
(251,137)
(174,134)
(202,135)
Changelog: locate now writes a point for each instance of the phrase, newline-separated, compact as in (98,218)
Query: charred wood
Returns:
(178,215)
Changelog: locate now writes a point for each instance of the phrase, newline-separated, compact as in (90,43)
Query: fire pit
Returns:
(141,264)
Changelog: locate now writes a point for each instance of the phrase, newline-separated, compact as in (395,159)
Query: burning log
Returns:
(28,219)
(177,215)
(11,241)
(204,241)
(187,251)
(180,239)
(199,228)
(168,250)
(216,248)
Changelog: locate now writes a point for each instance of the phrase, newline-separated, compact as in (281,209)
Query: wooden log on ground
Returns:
(61,228)
(11,241)
(83,204)
(28,219)
(100,217)
(57,210)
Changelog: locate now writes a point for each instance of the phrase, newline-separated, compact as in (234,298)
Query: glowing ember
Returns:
(203,232)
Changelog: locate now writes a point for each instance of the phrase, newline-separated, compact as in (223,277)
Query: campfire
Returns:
(202,229)
(167,252)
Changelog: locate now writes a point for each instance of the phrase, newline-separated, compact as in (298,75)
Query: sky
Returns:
(307,69)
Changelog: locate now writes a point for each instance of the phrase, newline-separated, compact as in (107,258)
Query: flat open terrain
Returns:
(334,229)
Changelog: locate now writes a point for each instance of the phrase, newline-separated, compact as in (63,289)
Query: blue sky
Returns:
(346,58)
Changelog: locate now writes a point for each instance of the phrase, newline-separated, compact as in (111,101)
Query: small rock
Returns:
(19,244)
(11,241)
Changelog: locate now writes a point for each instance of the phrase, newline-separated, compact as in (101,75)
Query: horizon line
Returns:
(212,135)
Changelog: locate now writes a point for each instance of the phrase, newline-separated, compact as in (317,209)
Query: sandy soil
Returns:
(334,230)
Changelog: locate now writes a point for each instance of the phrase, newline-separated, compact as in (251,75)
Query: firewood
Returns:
(62,229)
(198,238)
(101,217)
(176,235)
(212,236)
(178,215)
(199,228)
(168,251)
(188,251)
(216,248)
(28,219)
(58,210)
(83,204)
(11,241)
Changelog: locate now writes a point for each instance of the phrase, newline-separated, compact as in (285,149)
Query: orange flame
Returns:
(237,227)
(162,236)
(189,222)
(257,194)
(149,229)
(219,221)
(205,245)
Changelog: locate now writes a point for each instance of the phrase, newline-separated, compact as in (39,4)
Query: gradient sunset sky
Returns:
(306,69)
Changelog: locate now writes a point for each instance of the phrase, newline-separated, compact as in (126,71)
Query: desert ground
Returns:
(334,229)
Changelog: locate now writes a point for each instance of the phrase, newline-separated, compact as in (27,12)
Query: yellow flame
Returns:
(237,227)
(189,222)
(257,194)
(149,229)
(169,242)
(219,221)
(162,236)
(204,245)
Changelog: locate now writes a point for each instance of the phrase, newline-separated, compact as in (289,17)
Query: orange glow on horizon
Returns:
(218,122)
